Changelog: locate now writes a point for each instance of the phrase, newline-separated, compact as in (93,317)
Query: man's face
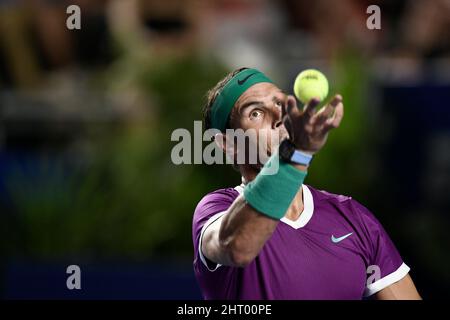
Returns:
(260,108)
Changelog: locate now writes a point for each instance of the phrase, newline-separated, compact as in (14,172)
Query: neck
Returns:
(296,207)
(249,173)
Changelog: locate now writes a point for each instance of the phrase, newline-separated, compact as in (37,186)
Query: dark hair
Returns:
(211,96)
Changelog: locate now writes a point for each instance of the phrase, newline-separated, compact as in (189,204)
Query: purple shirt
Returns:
(329,252)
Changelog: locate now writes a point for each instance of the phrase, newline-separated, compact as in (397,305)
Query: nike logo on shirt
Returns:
(336,240)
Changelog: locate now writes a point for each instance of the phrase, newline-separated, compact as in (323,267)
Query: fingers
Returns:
(288,125)
(326,112)
(335,121)
(283,108)
(336,100)
(291,106)
(309,109)
(292,110)
(323,114)
(330,116)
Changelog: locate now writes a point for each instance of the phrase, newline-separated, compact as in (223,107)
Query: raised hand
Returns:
(308,129)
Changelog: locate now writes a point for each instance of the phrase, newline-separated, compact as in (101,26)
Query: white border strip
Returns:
(306,214)
(205,226)
(240,188)
(387,280)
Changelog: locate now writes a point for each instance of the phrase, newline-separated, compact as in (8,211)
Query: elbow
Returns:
(240,255)
(239,259)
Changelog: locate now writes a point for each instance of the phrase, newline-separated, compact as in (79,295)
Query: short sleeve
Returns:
(209,209)
(385,265)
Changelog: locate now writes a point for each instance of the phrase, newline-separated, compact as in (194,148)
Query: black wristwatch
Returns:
(289,154)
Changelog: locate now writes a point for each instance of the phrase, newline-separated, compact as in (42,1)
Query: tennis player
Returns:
(274,237)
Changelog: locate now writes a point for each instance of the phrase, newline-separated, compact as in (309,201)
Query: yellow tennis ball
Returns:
(310,84)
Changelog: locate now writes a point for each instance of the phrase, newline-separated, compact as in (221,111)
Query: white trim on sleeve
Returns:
(387,280)
(205,226)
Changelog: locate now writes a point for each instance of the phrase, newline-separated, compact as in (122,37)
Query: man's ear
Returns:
(228,148)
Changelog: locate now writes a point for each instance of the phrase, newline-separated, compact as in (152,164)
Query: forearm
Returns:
(244,230)
(243,233)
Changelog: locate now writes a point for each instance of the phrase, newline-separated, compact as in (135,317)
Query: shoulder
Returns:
(338,201)
(213,203)
(216,199)
(220,195)
(322,195)
(343,203)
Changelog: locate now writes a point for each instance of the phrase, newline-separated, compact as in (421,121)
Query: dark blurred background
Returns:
(86,117)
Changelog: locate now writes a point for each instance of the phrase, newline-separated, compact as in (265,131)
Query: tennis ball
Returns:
(310,84)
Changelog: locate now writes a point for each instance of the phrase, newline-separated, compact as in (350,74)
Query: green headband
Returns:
(221,108)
